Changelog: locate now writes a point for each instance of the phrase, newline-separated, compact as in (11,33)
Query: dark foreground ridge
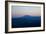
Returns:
(26,21)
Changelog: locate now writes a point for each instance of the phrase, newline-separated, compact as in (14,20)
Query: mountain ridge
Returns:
(26,16)
(26,21)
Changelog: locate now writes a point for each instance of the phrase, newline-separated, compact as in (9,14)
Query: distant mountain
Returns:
(26,21)
(29,17)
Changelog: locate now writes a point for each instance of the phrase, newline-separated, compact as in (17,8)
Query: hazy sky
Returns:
(18,11)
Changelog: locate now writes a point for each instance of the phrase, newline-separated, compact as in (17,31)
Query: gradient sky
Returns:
(18,11)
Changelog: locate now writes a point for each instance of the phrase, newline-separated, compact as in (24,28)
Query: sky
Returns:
(18,11)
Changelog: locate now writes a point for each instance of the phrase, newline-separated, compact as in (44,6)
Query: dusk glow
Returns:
(18,11)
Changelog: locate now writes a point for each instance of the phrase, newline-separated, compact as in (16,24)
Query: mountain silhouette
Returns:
(26,15)
(26,21)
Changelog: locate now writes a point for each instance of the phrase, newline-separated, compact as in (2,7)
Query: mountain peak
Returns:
(26,15)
